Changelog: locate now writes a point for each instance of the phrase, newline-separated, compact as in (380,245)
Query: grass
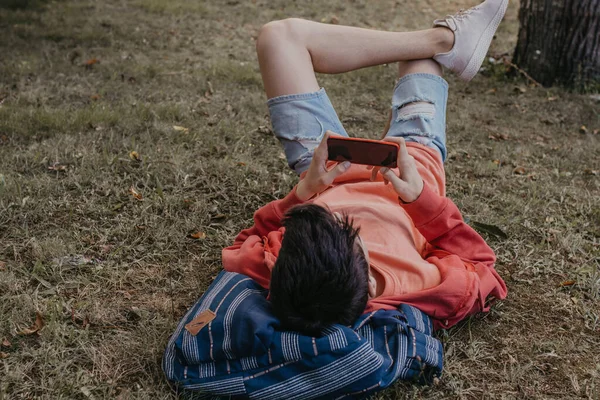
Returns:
(111,275)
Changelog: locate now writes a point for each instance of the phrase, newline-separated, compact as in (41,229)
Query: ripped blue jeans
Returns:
(418,115)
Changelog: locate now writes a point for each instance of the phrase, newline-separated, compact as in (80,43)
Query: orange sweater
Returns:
(421,253)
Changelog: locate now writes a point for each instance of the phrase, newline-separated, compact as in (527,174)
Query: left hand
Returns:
(407,183)
(318,178)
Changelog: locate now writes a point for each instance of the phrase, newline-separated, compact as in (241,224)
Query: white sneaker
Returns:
(473,32)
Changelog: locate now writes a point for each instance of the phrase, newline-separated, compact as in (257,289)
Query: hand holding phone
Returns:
(407,182)
(318,176)
(363,151)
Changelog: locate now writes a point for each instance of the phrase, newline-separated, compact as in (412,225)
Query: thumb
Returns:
(337,171)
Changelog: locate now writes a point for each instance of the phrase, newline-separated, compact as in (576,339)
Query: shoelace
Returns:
(461,14)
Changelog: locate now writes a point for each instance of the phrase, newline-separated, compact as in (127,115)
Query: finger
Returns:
(374,172)
(393,139)
(393,178)
(321,152)
(403,150)
(336,171)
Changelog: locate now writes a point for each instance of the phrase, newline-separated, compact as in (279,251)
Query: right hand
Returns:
(318,177)
(408,183)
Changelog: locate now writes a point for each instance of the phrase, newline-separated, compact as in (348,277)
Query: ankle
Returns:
(443,39)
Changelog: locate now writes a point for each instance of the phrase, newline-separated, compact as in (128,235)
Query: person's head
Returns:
(321,274)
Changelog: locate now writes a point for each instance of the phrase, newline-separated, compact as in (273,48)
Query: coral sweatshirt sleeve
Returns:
(255,249)
(452,244)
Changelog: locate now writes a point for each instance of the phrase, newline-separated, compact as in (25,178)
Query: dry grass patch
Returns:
(111,273)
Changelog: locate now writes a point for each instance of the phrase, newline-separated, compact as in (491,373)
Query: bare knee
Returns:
(280,31)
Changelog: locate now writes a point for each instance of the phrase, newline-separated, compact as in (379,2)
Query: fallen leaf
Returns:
(491,229)
(181,128)
(198,235)
(596,131)
(264,129)
(552,98)
(57,167)
(241,164)
(588,171)
(583,129)
(135,156)
(2,265)
(549,219)
(210,90)
(567,283)
(135,193)
(3,355)
(89,63)
(520,89)
(6,343)
(335,20)
(95,97)
(492,90)
(498,136)
(519,171)
(36,327)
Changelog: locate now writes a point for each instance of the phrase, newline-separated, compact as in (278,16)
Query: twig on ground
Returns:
(515,66)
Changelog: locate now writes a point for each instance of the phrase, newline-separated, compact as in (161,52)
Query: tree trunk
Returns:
(559,42)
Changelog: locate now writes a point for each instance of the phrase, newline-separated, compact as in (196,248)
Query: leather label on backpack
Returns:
(195,325)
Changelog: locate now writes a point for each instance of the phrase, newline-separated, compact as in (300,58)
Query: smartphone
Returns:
(363,151)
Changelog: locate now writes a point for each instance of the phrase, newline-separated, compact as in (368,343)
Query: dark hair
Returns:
(321,274)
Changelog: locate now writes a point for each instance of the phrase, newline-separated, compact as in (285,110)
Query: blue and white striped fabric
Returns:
(243,353)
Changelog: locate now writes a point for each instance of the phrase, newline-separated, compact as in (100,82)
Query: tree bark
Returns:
(559,42)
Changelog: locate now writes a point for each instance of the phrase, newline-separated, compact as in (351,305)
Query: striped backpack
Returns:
(230,345)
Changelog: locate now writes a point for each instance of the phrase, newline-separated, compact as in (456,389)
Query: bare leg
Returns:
(292,50)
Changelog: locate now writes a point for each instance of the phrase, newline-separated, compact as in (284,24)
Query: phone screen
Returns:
(366,152)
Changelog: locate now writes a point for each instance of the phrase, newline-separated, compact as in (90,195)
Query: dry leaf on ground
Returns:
(498,136)
(519,171)
(181,128)
(36,327)
(90,62)
(135,156)
(57,167)
(567,283)
(3,355)
(135,193)
(6,343)
(198,235)
(2,265)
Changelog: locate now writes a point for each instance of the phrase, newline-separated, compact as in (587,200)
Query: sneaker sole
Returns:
(483,45)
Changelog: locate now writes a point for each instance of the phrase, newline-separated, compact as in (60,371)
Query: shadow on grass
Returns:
(22,4)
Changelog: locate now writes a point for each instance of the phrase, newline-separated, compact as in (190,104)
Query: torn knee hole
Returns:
(416,109)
